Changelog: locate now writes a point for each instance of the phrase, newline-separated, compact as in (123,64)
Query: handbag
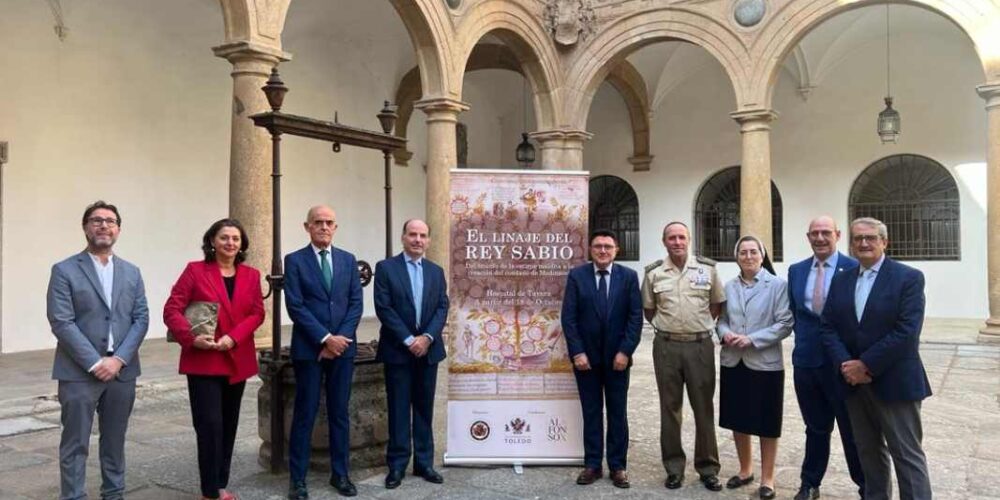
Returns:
(203,318)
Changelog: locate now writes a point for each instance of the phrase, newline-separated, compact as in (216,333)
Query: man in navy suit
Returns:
(816,385)
(871,331)
(323,293)
(602,321)
(411,301)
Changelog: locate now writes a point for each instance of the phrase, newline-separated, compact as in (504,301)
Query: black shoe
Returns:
(429,474)
(711,483)
(807,492)
(674,481)
(766,492)
(344,486)
(297,491)
(737,481)
(393,479)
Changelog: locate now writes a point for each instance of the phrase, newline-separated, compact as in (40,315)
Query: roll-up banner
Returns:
(512,397)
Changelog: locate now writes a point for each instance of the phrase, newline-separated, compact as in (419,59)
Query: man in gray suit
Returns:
(97,310)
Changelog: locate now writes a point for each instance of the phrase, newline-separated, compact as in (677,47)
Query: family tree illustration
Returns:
(512,246)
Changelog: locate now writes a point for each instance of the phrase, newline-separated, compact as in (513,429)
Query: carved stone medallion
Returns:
(569,21)
(749,12)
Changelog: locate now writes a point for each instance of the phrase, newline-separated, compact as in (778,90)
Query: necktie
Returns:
(817,297)
(602,292)
(417,287)
(324,268)
(861,292)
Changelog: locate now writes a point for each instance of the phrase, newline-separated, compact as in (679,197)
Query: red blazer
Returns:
(202,281)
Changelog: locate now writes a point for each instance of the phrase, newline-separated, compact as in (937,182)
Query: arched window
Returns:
(917,199)
(717,217)
(614,206)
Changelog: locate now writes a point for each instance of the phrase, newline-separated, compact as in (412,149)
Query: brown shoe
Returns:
(620,478)
(588,476)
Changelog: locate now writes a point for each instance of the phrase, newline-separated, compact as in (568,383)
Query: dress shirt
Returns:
(319,261)
(597,276)
(863,287)
(106,277)
(830,268)
(414,266)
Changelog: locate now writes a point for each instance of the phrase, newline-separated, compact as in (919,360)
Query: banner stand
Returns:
(512,394)
(449,460)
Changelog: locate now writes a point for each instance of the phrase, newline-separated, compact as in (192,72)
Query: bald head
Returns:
(313,211)
(823,236)
(416,238)
(321,224)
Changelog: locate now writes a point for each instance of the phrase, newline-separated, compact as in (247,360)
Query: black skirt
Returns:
(751,401)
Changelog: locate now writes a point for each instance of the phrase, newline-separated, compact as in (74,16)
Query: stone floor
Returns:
(961,425)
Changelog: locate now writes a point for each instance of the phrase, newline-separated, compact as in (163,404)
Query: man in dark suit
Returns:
(871,331)
(323,293)
(816,385)
(602,321)
(98,313)
(411,301)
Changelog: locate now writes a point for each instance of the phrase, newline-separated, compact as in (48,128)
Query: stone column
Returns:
(561,149)
(442,115)
(250,156)
(755,173)
(990,333)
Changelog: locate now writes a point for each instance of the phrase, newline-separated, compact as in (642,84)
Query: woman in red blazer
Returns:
(217,368)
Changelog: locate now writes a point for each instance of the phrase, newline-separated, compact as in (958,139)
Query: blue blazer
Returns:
(395,308)
(887,339)
(588,331)
(808,351)
(316,312)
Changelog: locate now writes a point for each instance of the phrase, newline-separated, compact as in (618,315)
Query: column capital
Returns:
(990,92)
(754,119)
(245,50)
(640,163)
(563,135)
(434,105)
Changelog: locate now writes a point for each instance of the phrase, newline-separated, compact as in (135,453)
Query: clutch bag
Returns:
(203,318)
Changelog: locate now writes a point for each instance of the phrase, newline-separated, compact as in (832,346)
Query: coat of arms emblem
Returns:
(569,21)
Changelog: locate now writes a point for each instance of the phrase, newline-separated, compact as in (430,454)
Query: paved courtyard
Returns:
(961,425)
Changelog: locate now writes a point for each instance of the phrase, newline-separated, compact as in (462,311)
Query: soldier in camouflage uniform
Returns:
(681,296)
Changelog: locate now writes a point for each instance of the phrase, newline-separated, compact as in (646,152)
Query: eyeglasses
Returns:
(602,247)
(866,238)
(98,222)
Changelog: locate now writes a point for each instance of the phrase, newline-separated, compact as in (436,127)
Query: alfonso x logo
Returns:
(557,429)
(517,431)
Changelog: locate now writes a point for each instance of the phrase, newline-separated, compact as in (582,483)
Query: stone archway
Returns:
(599,56)
(978,19)
(624,78)
(521,30)
(429,27)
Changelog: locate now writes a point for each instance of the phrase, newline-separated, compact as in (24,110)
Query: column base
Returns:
(990,332)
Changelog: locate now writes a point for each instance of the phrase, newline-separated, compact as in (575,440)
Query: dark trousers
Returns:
(215,412)
(601,387)
(112,401)
(889,429)
(410,386)
(820,403)
(336,375)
